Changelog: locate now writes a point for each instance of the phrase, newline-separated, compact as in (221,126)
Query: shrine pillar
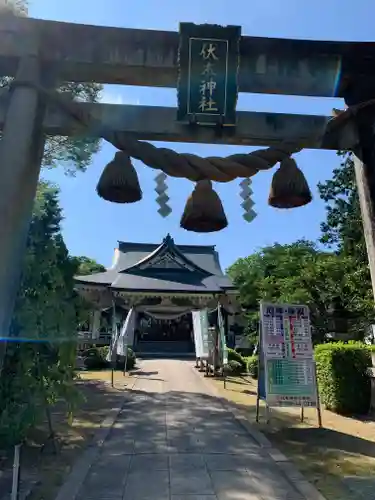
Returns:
(21,151)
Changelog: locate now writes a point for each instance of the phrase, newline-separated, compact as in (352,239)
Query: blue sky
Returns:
(93,226)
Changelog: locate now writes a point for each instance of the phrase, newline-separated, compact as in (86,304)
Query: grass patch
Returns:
(343,447)
(38,456)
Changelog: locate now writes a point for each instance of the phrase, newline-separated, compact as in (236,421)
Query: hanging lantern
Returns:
(119,181)
(289,188)
(203,211)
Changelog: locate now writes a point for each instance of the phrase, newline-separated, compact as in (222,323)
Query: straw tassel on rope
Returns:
(204,212)
(119,181)
(289,187)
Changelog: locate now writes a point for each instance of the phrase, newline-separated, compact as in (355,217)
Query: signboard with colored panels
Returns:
(290,382)
(286,353)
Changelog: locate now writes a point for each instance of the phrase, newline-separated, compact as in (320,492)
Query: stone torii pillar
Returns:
(21,151)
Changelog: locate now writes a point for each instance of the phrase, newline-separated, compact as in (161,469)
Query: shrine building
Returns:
(164,283)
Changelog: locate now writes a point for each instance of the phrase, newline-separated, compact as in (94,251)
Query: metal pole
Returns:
(21,150)
(257,407)
(302,412)
(267,413)
(16,472)
(318,407)
(113,349)
(126,359)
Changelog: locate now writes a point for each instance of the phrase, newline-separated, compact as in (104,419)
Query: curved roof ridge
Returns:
(134,244)
(167,244)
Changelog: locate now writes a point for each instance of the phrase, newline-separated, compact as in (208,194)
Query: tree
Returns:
(73,153)
(342,229)
(331,285)
(15,7)
(39,365)
(85,266)
(272,274)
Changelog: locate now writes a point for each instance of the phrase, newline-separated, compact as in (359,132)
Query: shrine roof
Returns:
(132,282)
(203,256)
(165,267)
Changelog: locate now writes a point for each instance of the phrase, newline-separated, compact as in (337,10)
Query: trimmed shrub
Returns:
(234,367)
(236,356)
(95,358)
(252,366)
(130,363)
(245,353)
(91,351)
(103,351)
(343,377)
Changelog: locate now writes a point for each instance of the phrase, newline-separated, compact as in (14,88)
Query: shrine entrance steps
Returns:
(164,349)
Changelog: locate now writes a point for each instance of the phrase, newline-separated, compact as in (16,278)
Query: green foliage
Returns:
(39,370)
(95,359)
(234,367)
(74,153)
(343,377)
(130,360)
(103,351)
(14,7)
(342,229)
(252,366)
(85,266)
(236,356)
(332,285)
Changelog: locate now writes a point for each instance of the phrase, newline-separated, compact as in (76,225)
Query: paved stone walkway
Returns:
(174,440)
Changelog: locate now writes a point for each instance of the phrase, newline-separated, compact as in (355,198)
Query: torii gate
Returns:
(40,53)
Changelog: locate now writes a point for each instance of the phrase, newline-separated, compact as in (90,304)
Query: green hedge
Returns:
(343,377)
(236,356)
(95,358)
(130,361)
(234,367)
(252,366)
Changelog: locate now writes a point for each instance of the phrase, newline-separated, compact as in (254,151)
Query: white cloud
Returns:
(111,97)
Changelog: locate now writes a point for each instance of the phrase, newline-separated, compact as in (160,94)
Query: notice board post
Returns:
(286,366)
